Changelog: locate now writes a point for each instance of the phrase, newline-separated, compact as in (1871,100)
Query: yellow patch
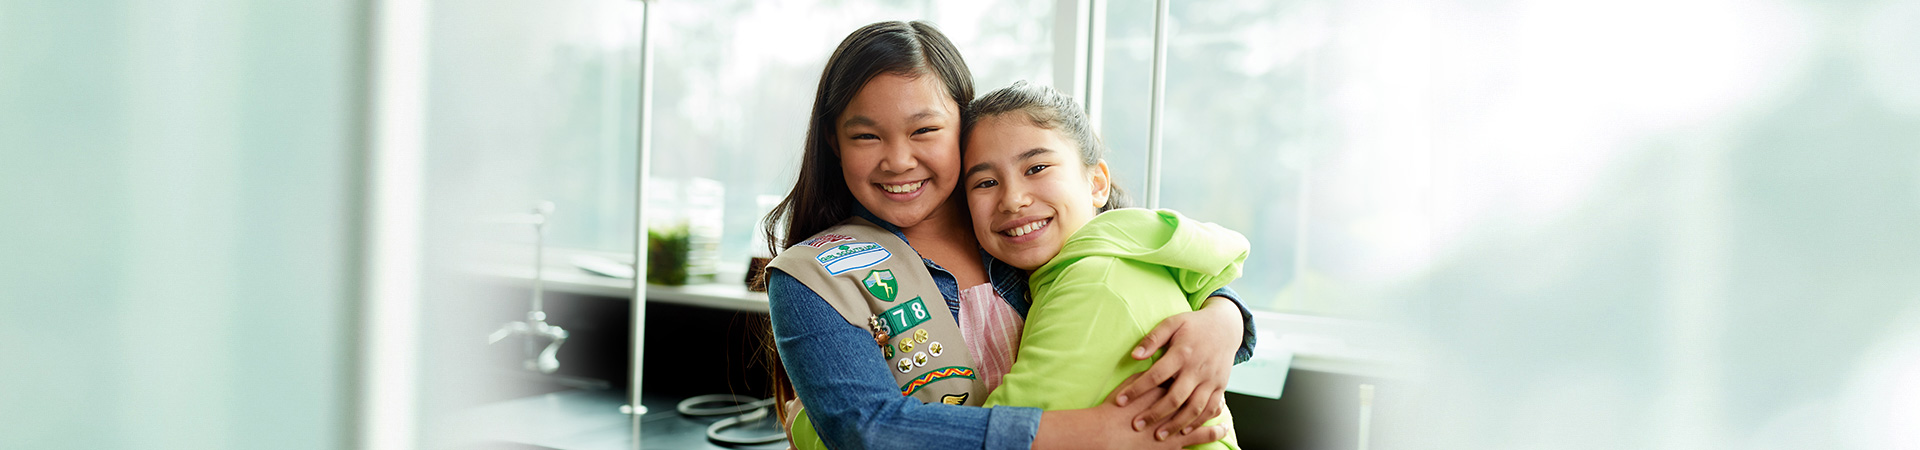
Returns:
(954,399)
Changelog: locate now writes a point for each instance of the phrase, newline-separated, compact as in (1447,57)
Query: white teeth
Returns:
(903,188)
(1028,228)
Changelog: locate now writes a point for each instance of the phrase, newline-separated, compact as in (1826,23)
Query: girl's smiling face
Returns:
(1028,189)
(899,147)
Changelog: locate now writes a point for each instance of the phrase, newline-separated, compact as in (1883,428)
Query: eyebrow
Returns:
(857,120)
(926,114)
(868,121)
(981,167)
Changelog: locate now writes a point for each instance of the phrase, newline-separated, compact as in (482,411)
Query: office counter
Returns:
(587,420)
(727,291)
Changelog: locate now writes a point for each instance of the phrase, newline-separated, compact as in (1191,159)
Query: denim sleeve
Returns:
(852,399)
(1246,317)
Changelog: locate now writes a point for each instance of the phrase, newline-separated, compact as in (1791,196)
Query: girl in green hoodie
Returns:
(1042,200)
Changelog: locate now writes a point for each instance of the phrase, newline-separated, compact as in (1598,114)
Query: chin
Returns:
(1026,261)
(904,217)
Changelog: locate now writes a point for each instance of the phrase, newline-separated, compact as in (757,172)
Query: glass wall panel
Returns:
(536,101)
(1302,125)
(527,101)
(178,251)
(1690,224)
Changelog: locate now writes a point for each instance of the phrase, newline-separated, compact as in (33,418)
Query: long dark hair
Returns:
(820,198)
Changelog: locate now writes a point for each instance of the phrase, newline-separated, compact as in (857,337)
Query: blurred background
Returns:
(1476,224)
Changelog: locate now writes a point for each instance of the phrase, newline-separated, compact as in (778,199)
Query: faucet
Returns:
(536,326)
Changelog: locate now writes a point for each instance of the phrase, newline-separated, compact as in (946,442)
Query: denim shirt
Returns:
(851,396)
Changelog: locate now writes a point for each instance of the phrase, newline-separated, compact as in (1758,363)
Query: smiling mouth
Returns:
(1028,228)
(902,188)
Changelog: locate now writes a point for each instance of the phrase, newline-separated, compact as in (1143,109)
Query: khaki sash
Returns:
(875,280)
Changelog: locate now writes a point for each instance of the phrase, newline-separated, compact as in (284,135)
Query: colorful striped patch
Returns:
(825,239)
(936,375)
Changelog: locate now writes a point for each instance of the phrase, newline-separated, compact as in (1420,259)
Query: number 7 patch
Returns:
(907,315)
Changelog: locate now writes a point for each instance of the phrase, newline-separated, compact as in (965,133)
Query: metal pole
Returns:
(1070,47)
(1096,61)
(388,407)
(645,158)
(1159,102)
(540,214)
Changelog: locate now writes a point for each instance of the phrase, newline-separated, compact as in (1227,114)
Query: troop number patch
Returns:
(907,315)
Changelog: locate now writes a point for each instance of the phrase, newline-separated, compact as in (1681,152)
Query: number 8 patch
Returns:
(906,315)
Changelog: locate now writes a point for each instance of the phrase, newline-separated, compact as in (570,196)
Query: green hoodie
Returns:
(1114,280)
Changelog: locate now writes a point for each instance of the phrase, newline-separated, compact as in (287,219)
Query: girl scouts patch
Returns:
(853,256)
(881,284)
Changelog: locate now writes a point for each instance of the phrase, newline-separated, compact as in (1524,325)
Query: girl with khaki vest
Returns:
(889,322)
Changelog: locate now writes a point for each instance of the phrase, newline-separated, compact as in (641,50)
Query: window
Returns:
(734,82)
(1298,124)
(530,102)
(547,92)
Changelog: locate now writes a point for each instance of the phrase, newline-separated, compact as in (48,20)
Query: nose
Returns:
(897,157)
(1013,197)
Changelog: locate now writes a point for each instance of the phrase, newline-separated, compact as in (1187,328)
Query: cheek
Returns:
(944,156)
(979,207)
(849,174)
(853,163)
(982,227)
(976,204)
(1065,193)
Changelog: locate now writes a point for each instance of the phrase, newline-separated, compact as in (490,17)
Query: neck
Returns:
(948,224)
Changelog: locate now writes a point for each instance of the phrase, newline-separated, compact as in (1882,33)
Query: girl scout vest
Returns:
(879,283)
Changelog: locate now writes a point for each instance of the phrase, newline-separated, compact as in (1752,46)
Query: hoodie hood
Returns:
(1201,256)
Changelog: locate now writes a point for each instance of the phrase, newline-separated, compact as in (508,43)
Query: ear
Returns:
(1102,183)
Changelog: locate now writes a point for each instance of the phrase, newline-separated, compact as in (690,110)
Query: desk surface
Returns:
(560,275)
(585,420)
